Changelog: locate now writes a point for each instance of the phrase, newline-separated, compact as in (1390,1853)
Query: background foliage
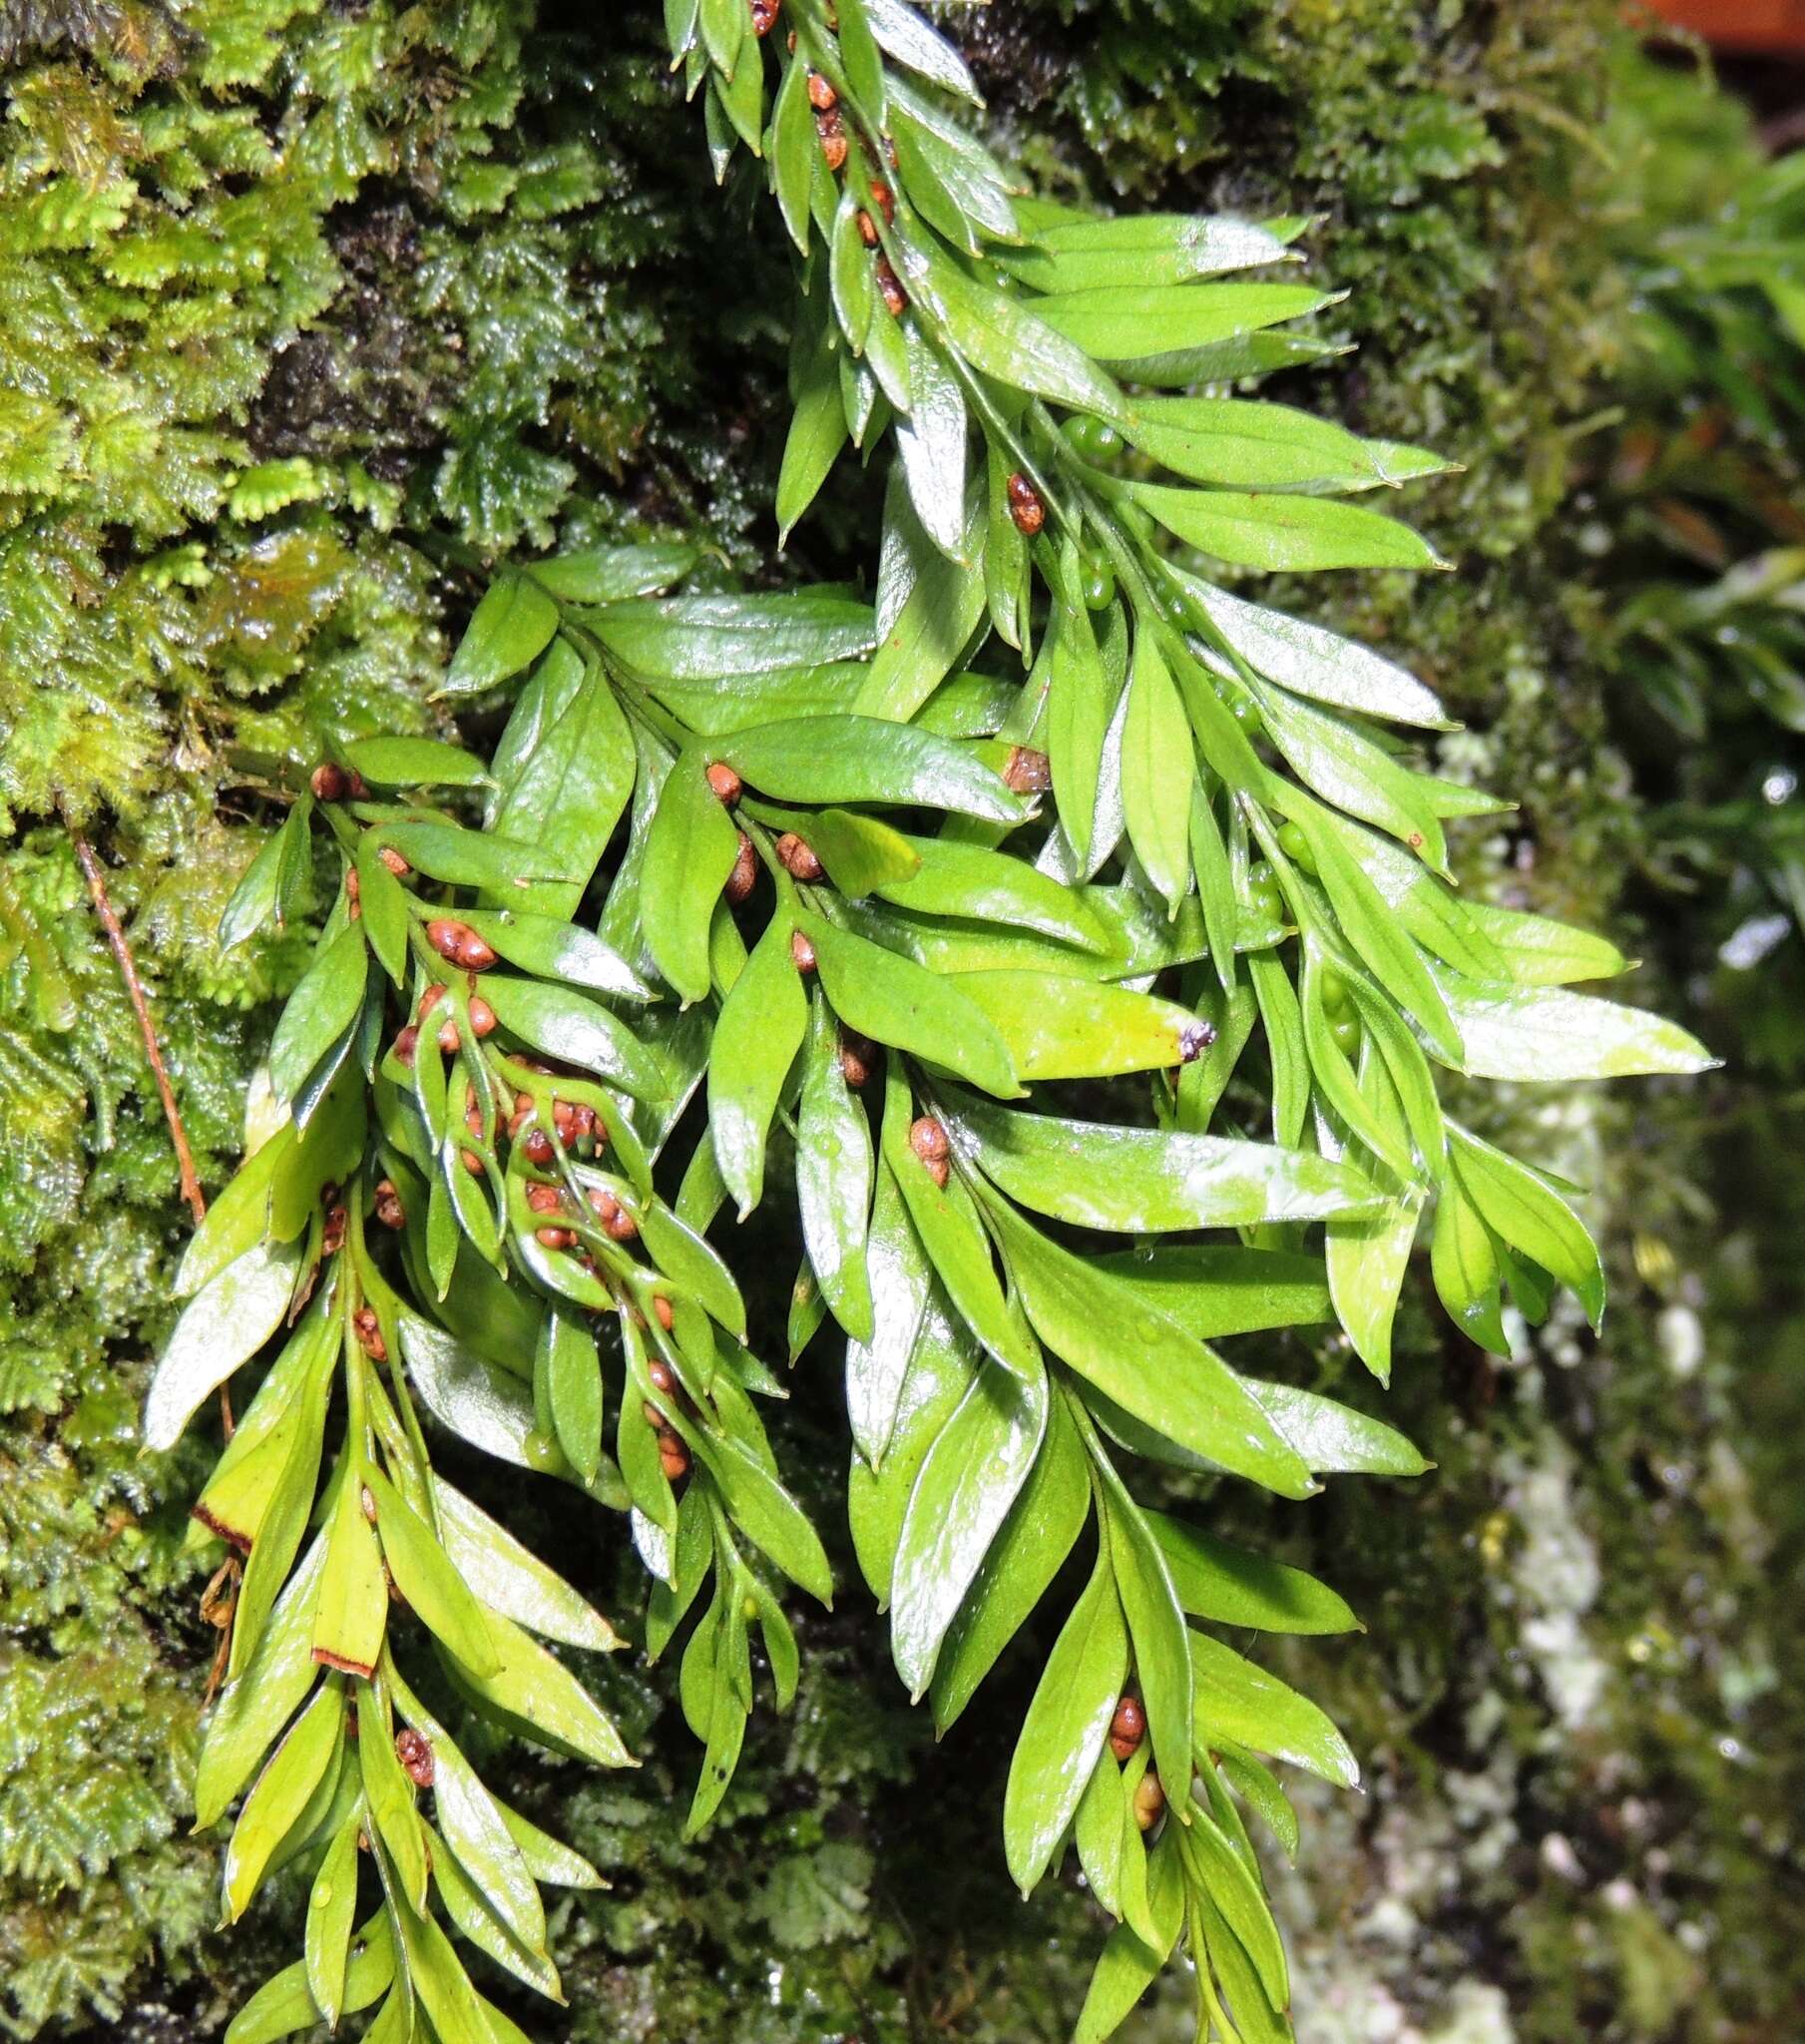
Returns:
(273,272)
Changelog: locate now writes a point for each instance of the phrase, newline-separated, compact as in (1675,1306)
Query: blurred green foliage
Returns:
(282,282)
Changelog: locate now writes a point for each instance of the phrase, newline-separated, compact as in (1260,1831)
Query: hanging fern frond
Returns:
(796,869)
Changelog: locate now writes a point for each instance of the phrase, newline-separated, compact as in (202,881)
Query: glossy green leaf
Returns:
(1067,1724)
(1251,446)
(332,1908)
(833,1177)
(900,1276)
(509,1578)
(1140,248)
(223,1326)
(1516,1205)
(1018,1568)
(1468,1279)
(861,853)
(768,1513)
(1216,1290)
(967,1482)
(1158,772)
(435,1592)
(896,1002)
(550,948)
(1080,704)
(540,1697)
(609,574)
(1057,1027)
(474,858)
(696,638)
(1127,324)
(319,1012)
(859,758)
(939,1373)
(931,441)
(1549,1036)
(690,851)
(1232,1586)
(1285,533)
(1334,1439)
(415,762)
(1149,1602)
(923,643)
(569,1026)
(1237,1701)
(282,1792)
(510,628)
(760,1030)
(572,1386)
(350,1615)
(972,881)
(1150,1181)
(1144,1361)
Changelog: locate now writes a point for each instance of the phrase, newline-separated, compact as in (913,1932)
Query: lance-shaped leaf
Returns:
(224,1325)
(1058,1027)
(284,2005)
(900,1280)
(1237,1701)
(332,1908)
(696,638)
(967,1482)
(981,885)
(284,1790)
(1150,1181)
(1546,1035)
(1233,1585)
(690,851)
(833,1177)
(425,1577)
(511,1578)
(759,1031)
(509,630)
(1065,1729)
(550,948)
(855,759)
(540,1698)
(1215,1290)
(1145,1361)
(321,1011)
(896,1002)
(350,1614)
(1277,533)
(1516,1205)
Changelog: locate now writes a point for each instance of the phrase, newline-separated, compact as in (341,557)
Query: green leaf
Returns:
(573,1383)
(939,1373)
(1080,704)
(1158,773)
(415,762)
(550,948)
(896,1002)
(1127,324)
(385,913)
(860,853)
(609,574)
(833,1177)
(766,1512)
(564,773)
(283,2004)
(1284,534)
(950,1230)
(223,1326)
(791,148)
(1351,772)
(435,1592)
(967,1482)
(1548,1036)
(1234,1891)
(1017,1569)
(1152,1180)
(1368,1254)
(1000,336)
(477,1399)
(1064,1732)
(510,628)
(982,885)
(510,1579)
(474,858)
(904,35)
(1076,254)
(256,1705)
(351,1613)
(1466,1269)
(1219,1291)
(817,427)
(900,1278)
(696,638)
(923,643)
(1312,661)
(576,1030)
(1282,1020)
(1127,1966)
(1144,1361)
(858,758)
(1538,951)
(1237,1701)
(1231,1586)
(1056,1027)
(321,1010)
(254,899)
(1251,446)
(1515,1204)
(331,1905)
(1334,1439)
(931,441)
(761,1026)
(689,852)
(282,1792)
(1157,1627)
(539,1696)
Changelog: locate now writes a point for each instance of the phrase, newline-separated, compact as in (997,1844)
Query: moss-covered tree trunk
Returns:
(282,282)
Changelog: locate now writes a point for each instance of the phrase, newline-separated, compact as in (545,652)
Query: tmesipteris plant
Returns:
(879,892)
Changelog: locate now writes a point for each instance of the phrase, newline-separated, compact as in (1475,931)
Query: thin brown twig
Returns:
(95,875)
